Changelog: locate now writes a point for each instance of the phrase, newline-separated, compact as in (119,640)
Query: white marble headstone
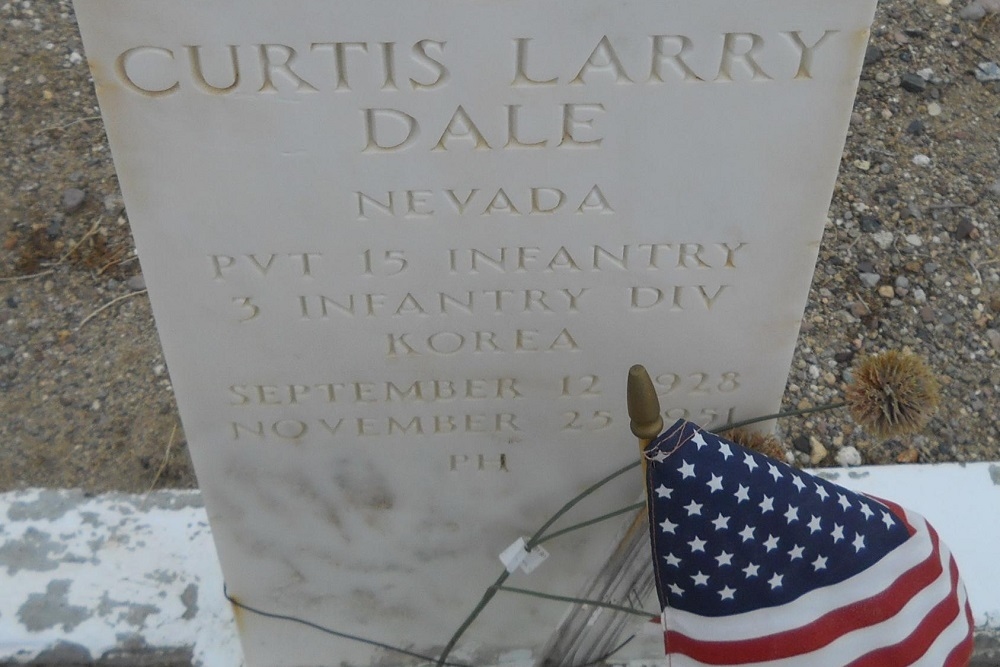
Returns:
(401,256)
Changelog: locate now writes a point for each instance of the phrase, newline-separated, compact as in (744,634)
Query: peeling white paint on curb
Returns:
(111,572)
(117,572)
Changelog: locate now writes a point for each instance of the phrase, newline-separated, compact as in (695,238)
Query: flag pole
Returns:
(587,633)
(643,409)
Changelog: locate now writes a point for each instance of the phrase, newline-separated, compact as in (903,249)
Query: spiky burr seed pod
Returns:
(767,445)
(892,394)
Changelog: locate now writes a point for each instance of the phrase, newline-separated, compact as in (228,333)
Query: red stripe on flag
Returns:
(962,654)
(822,631)
(908,650)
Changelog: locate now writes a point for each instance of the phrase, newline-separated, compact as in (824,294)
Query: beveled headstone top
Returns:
(402,255)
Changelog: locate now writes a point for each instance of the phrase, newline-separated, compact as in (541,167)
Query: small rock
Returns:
(72,199)
(817,452)
(964,230)
(859,309)
(933,109)
(873,54)
(916,127)
(911,455)
(921,160)
(159,369)
(844,357)
(863,165)
(927,315)
(801,444)
(6,353)
(919,296)
(887,291)
(113,205)
(136,283)
(914,240)
(926,73)
(869,223)
(994,337)
(869,279)
(913,83)
(973,11)
(902,282)
(849,457)
(988,71)
(995,188)
(883,239)
(931,268)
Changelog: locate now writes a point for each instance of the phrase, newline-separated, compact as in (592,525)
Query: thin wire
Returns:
(315,626)
(592,603)
(532,543)
(590,522)
(779,415)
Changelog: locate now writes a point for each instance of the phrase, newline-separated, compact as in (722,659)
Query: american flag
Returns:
(761,564)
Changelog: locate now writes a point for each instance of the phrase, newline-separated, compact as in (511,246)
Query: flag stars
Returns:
(668,526)
(838,533)
(844,502)
(814,524)
(821,492)
(775,581)
(697,544)
(687,470)
(749,462)
(715,483)
(819,563)
(693,508)
(799,484)
(858,543)
(725,558)
(746,533)
(742,493)
(727,593)
(672,560)
(698,440)
(796,552)
(700,579)
(751,570)
(767,505)
(773,471)
(663,492)
(725,450)
(676,590)
(792,514)
(771,543)
(887,520)
(867,511)
(721,522)
(659,457)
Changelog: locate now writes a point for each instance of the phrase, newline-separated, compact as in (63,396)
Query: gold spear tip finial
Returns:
(643,405)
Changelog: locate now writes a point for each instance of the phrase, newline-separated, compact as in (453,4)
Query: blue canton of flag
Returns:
(759,563)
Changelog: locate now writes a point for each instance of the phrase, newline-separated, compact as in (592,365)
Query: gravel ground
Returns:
(910,260)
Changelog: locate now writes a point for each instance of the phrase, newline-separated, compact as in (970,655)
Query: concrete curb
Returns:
(122,580)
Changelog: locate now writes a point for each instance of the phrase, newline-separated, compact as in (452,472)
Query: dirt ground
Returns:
(910,259)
